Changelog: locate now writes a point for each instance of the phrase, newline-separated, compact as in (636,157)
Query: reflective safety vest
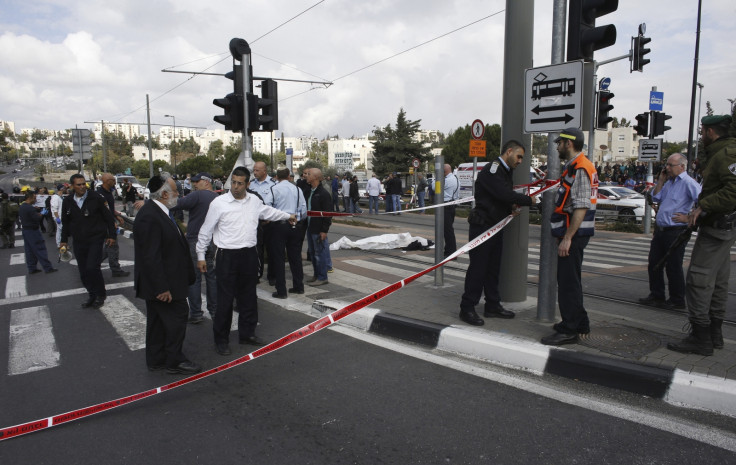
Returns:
(561,219)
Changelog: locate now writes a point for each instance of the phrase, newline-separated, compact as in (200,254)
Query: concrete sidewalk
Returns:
(626,348)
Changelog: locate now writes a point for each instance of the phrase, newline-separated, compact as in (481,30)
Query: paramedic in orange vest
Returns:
(573,223)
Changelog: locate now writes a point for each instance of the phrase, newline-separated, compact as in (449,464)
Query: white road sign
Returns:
(650,149)
(553,97)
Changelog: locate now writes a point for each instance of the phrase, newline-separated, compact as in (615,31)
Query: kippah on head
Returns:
(155,183)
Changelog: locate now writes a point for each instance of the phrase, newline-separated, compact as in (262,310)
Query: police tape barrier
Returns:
(301,333)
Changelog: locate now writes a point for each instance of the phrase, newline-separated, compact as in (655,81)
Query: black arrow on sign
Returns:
(567,118)
(538,109)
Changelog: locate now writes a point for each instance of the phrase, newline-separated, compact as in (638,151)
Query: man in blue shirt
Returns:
(676,193)
(290,199)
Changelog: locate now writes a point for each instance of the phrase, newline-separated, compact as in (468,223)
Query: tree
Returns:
(394,149)
(196,165)
(216,150)
(708,108)
(625,123)
(457,144)
(318,153)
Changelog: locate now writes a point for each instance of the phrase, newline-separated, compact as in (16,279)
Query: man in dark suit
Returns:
(163,273)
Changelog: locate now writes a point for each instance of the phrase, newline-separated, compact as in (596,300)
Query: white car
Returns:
(621,203)
(120,180)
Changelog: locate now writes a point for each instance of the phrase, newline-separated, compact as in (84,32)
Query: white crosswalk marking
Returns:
(15,286)
(127,320)
(32,344)
(18,259)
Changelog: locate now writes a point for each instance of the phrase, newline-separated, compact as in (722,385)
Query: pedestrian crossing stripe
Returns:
(15,286)
(32,343)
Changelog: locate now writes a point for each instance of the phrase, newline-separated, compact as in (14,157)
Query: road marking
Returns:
(54,295)
(18,259)
(353,281)
(391,270)
(15,287)
(127,320)
(32,344)
(105,266)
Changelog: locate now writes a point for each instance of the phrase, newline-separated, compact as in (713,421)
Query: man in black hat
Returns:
(86,217)
(197,204)
(573,223)
(163,274)
(710,263)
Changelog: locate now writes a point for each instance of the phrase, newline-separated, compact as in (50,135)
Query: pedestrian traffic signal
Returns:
(638,61)
(263,112)
(583,37)
(233,117)
(642,124)
(658,127)
(232,103)
(604,107)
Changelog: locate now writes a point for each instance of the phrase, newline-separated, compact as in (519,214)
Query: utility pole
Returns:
(104,147)
(547,293)
(150,143)
(518,51)
(690,155)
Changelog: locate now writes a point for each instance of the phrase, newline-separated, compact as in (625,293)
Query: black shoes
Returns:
(156,367)
(498,312)
(293,290)
(222,348)
(559,339)
(253,341)
(52,270)
(276,295)
(652,301)
(34,271)
(471,318)
(120,274)
(673,305)
(184,368)
(195,320)
(98,302)
(88,303)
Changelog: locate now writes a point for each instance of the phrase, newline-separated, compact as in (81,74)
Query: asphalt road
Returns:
(334,397)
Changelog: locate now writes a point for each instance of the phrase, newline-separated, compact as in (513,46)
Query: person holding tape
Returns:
(495,199)
(232,223)
(573,223)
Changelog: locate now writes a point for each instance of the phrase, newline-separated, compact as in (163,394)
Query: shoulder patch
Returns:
(732,168)
(494,167)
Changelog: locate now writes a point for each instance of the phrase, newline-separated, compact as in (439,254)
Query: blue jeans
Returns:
(373,204)
(420,199)
(195,290)
(354,207)
(396,199)
(320,253)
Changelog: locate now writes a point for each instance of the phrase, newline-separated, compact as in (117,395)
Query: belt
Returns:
(237,250)
(670,228)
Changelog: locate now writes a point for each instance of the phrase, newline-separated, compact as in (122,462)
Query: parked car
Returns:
(621,203)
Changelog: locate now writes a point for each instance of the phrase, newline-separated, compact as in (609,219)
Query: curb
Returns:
(672,385)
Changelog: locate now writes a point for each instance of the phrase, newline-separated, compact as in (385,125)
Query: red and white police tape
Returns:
(301,333)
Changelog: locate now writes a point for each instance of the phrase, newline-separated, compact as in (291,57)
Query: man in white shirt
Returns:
(232,223)
(345,184)
(373,187)
(56,201)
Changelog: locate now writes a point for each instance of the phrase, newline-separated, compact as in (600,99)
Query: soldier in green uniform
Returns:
(710,265)
(8,215)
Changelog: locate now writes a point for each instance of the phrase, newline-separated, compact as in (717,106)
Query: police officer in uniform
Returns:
(495,199)
(86,217)
(706,290)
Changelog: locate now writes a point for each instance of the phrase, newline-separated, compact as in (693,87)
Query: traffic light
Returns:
(583,37)
(232,103)
(642,124)
(638,61)
(604,107)
(264,112)
(658,127)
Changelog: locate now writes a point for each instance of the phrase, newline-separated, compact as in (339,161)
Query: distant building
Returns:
(128,130)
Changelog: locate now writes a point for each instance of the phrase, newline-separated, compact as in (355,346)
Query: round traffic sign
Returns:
(477,129)
(415,163)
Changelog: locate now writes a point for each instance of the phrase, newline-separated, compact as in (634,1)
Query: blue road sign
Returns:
(656,100)
(605,83)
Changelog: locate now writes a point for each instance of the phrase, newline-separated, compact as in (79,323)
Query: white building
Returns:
(140,152)
(9,125)
(614,145)
(128,130)
(167,134)
(346,154)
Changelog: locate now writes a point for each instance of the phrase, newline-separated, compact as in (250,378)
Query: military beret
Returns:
(155,183)
(713,120)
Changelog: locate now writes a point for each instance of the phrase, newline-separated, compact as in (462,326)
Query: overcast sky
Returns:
(64,62)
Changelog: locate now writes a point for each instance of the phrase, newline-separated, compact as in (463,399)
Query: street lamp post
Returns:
(700,99)
(173,155)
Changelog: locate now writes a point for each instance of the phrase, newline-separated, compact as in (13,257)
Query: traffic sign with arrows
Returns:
(553,97)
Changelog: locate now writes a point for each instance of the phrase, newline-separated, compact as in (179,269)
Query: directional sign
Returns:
(656,101)
(650,149)
(605,83)
(553,97)
(477,129)
(415,163)
(477,148)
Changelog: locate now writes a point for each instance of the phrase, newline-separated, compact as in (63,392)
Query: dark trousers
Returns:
(335,201)
(570,289)
(166,326)
(450,243)
(284,238)
(264,239)
(237,275)
(89,256)
(483,271)
(661,242)
(35,249)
